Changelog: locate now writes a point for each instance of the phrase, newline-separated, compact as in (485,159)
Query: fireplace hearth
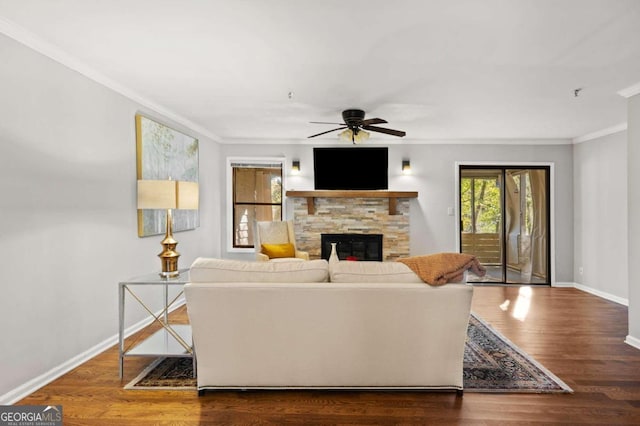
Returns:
(362,247)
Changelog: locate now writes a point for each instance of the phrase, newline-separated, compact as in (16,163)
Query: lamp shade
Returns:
(356,136)
(361,136)
(187,195)
(346,135)
(167,194)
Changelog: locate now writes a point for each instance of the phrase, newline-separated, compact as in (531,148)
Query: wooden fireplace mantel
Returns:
(391,195)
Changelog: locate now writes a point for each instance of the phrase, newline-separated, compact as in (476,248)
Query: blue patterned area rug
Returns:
(491,364)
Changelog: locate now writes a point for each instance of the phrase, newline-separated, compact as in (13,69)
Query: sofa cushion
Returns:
(224,270)
(278,250)
(372,272)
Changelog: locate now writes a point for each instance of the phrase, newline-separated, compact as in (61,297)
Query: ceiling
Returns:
(261,70)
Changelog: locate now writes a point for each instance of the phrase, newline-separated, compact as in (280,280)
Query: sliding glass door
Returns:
(504,222)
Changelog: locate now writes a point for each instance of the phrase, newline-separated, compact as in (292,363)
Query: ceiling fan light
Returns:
(346,135)
(361,136)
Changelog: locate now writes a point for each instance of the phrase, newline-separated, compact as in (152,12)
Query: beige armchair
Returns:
(276,241)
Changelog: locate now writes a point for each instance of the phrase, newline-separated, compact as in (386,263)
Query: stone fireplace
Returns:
(352,212)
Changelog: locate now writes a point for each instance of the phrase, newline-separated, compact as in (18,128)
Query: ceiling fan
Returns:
(354,126)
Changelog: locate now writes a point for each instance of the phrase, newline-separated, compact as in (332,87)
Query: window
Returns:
(480,201)
(257,196)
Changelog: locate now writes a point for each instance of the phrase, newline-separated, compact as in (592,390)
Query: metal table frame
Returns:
(172,340)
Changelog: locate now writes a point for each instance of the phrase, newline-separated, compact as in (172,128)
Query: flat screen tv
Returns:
(351,168)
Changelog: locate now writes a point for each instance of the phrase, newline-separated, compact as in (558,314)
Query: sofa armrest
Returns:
(302,255)
(260,257)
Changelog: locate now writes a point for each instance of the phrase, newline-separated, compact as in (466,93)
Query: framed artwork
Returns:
(163,153)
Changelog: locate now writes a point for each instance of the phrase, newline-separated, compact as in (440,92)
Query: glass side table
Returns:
(172,340)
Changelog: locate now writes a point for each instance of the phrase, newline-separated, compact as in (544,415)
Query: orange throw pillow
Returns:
(278,250)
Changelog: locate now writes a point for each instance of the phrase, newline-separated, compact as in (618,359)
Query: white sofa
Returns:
(284,325)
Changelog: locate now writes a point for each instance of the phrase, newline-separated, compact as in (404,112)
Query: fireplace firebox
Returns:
(367,247)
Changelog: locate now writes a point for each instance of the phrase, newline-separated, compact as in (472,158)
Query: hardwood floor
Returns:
(578,336)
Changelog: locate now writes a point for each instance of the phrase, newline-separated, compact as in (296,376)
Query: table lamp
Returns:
(168,194)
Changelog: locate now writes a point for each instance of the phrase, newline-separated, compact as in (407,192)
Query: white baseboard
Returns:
(563,284)
(602,294)
(36,383)
(633,341)
(630,340)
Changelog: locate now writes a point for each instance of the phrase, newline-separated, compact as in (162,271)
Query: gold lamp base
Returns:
(169,256)
(169,259)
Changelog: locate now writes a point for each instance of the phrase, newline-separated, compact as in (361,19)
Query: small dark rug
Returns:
(491,364)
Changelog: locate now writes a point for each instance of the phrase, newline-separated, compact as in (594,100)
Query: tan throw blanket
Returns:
(441,268)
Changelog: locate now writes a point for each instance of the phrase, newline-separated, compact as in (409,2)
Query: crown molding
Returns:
(397,141)
(29,39)
(630,91)
(621,127)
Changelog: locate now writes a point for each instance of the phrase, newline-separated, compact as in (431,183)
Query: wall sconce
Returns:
(295,167)
(406,167)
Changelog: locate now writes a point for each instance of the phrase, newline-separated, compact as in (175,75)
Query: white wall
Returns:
(433,176)
(600,216)
(633,160)
(68,216)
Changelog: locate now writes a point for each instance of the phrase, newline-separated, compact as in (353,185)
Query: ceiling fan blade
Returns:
(324,122)
(328,131)
(373,121)
(398,133)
